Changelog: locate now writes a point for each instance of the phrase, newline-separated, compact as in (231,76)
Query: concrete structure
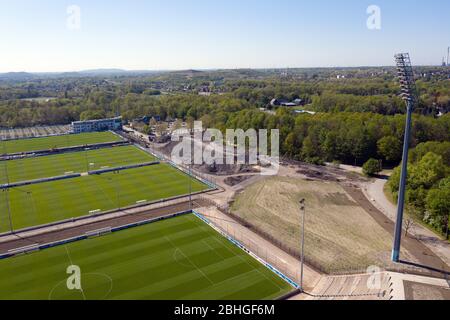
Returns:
(113,124)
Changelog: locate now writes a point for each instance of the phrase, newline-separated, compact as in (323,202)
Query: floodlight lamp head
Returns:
(406,78)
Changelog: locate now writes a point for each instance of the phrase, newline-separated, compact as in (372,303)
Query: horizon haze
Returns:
(73,36)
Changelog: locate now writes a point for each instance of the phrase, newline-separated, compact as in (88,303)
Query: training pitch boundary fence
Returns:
(244,248)
(26,183)
(190,173)
(106,231)
(47,152)
(212,187)
(77,175)
(87,235)
(121,168)
(162,202)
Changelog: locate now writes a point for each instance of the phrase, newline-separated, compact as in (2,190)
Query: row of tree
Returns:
(353,95)
(348,137)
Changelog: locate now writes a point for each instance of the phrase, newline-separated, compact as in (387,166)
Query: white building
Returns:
(113,124)
(305,111)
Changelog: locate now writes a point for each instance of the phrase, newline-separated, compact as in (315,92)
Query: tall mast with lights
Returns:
(408,94)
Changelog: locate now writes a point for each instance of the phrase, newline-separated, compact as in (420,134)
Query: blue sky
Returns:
(202,34)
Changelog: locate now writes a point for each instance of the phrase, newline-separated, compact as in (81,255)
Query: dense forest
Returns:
(372,90)
(350,137)
(428,190)
(359,117)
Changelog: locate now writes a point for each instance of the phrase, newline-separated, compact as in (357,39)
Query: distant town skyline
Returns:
(65,36)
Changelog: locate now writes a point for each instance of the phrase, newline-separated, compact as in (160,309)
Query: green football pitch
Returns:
(47,143)
(48,202)
(178,258)
(71,162)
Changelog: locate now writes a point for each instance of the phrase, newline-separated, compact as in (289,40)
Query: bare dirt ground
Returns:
(236,180)
(374,190)
(214,169)
(420,291)
(340,235)
(346,230)
(352,182)
(422,256)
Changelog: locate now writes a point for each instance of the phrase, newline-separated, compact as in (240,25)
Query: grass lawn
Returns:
(47,143)
(179,258)
(48,202)
(77,162)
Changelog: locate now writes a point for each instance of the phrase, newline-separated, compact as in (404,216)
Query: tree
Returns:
(161,129)
(438,207)
(289,145)
(439,148)
(176,125)
(207,121)
(190,124)
(147,129)
(427,172)
(329,146)
(308,149)
(390,148)
(409,223)
(153,122)
(92,115)
(372,167)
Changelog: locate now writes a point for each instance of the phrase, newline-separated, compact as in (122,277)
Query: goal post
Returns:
(98,232)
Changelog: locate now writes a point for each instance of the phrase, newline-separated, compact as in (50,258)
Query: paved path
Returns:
(167,207)
(69,231)
(375,192)
(424,258)
(399,280)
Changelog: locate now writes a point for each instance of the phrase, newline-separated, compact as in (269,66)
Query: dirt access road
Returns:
(347,178)
(374,191)
(426,258)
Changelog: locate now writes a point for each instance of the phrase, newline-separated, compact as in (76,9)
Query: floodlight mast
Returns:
(6,190)
(303,210)
(408,93)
